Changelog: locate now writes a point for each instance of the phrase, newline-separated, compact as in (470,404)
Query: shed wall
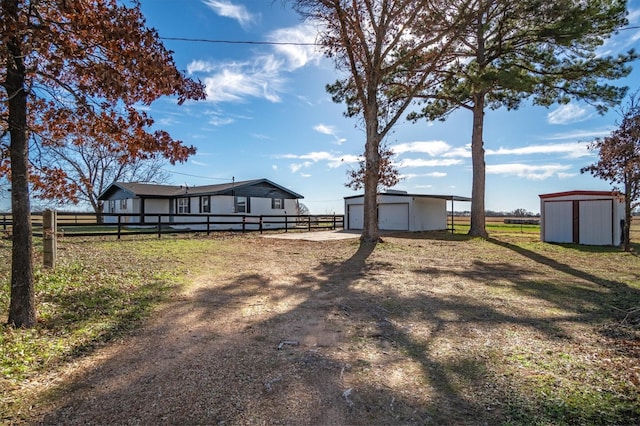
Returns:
(582,219)
(430,214)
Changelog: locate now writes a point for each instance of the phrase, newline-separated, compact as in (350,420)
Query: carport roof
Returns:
(403,194)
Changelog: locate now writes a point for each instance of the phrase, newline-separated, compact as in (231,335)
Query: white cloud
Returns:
(274,167)
(527,171)
(324,129)
(331,131)
(418,175)
(198,163)
(230,10)
(332,160)
(433,148)
(200,66)
(581,134)
(263,77)
(569,113)
(305,175)
(572,149)
(235,82)
(428,163)
(300,54)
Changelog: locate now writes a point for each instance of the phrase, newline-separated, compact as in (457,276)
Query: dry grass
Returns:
(424,328)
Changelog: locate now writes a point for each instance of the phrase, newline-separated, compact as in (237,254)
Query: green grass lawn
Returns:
(102,289)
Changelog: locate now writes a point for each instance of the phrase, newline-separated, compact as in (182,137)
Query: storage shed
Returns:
(400,211)
(581,217)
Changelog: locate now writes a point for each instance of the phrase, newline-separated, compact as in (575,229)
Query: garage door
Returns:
(558,221)
(596,222)
(393,217)
(356,216)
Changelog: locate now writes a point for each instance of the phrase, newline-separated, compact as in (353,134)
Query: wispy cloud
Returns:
(438,162)
(571,149)
(333,160)
(233,11)
(300,49)
(527,171)
(265,76)
(433,148)
(585,135)
(331,131)
(419,175)
(566,114)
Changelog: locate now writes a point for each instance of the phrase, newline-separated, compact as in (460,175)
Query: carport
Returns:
(401,211)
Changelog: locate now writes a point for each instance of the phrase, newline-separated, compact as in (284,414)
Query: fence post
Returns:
(49,225)
(4,222)
(208,224)
(309,224)
(286,223)
(260,226)
(119,225)
(159,226)
(334,221)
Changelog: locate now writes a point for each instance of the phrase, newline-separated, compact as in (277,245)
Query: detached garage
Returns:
(581,217)
(400,211)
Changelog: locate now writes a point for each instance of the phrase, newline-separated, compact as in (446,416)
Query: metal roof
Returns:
(150,190)
(578,192)
(402,194)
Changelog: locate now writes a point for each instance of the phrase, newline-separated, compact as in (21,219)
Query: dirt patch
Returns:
(422,329)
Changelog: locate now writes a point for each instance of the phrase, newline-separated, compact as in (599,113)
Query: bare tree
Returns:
(88,170)
(389,51)
(619,162)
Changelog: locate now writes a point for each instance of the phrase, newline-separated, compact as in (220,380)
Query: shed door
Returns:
(558,221)
(393,217)
(596,222)
(356,216)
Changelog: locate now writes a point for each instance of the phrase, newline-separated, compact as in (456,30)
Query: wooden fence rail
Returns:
(85,224)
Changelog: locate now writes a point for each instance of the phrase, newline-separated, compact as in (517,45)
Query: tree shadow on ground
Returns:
(334,344)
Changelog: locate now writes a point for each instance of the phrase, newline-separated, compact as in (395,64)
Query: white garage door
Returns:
(596,222)
(356,216)
(558,221)
(393,217)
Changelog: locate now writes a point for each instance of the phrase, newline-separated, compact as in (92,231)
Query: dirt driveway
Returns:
(316,235)
(417,331)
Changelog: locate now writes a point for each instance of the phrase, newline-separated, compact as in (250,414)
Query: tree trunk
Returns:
(370,231)
(626,231)
(22,307)
(477,158)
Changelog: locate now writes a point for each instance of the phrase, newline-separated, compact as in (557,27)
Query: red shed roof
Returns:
(578,192)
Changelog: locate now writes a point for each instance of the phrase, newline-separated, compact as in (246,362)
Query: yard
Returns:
(427,328)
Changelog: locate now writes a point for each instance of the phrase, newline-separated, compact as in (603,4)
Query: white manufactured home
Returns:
(136,203)
(581,217)
(401,211)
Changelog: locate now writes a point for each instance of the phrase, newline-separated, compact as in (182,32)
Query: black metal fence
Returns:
(86,224)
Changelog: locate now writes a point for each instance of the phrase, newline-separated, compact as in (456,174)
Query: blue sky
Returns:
(267,115)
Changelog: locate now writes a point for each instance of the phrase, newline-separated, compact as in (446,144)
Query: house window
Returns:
(241,205)
(205,206)
(183,205)
(123,204)
(112,206)
(277,203)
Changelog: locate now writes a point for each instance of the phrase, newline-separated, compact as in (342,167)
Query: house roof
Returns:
(149,190)
(404,194)
(577,193)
